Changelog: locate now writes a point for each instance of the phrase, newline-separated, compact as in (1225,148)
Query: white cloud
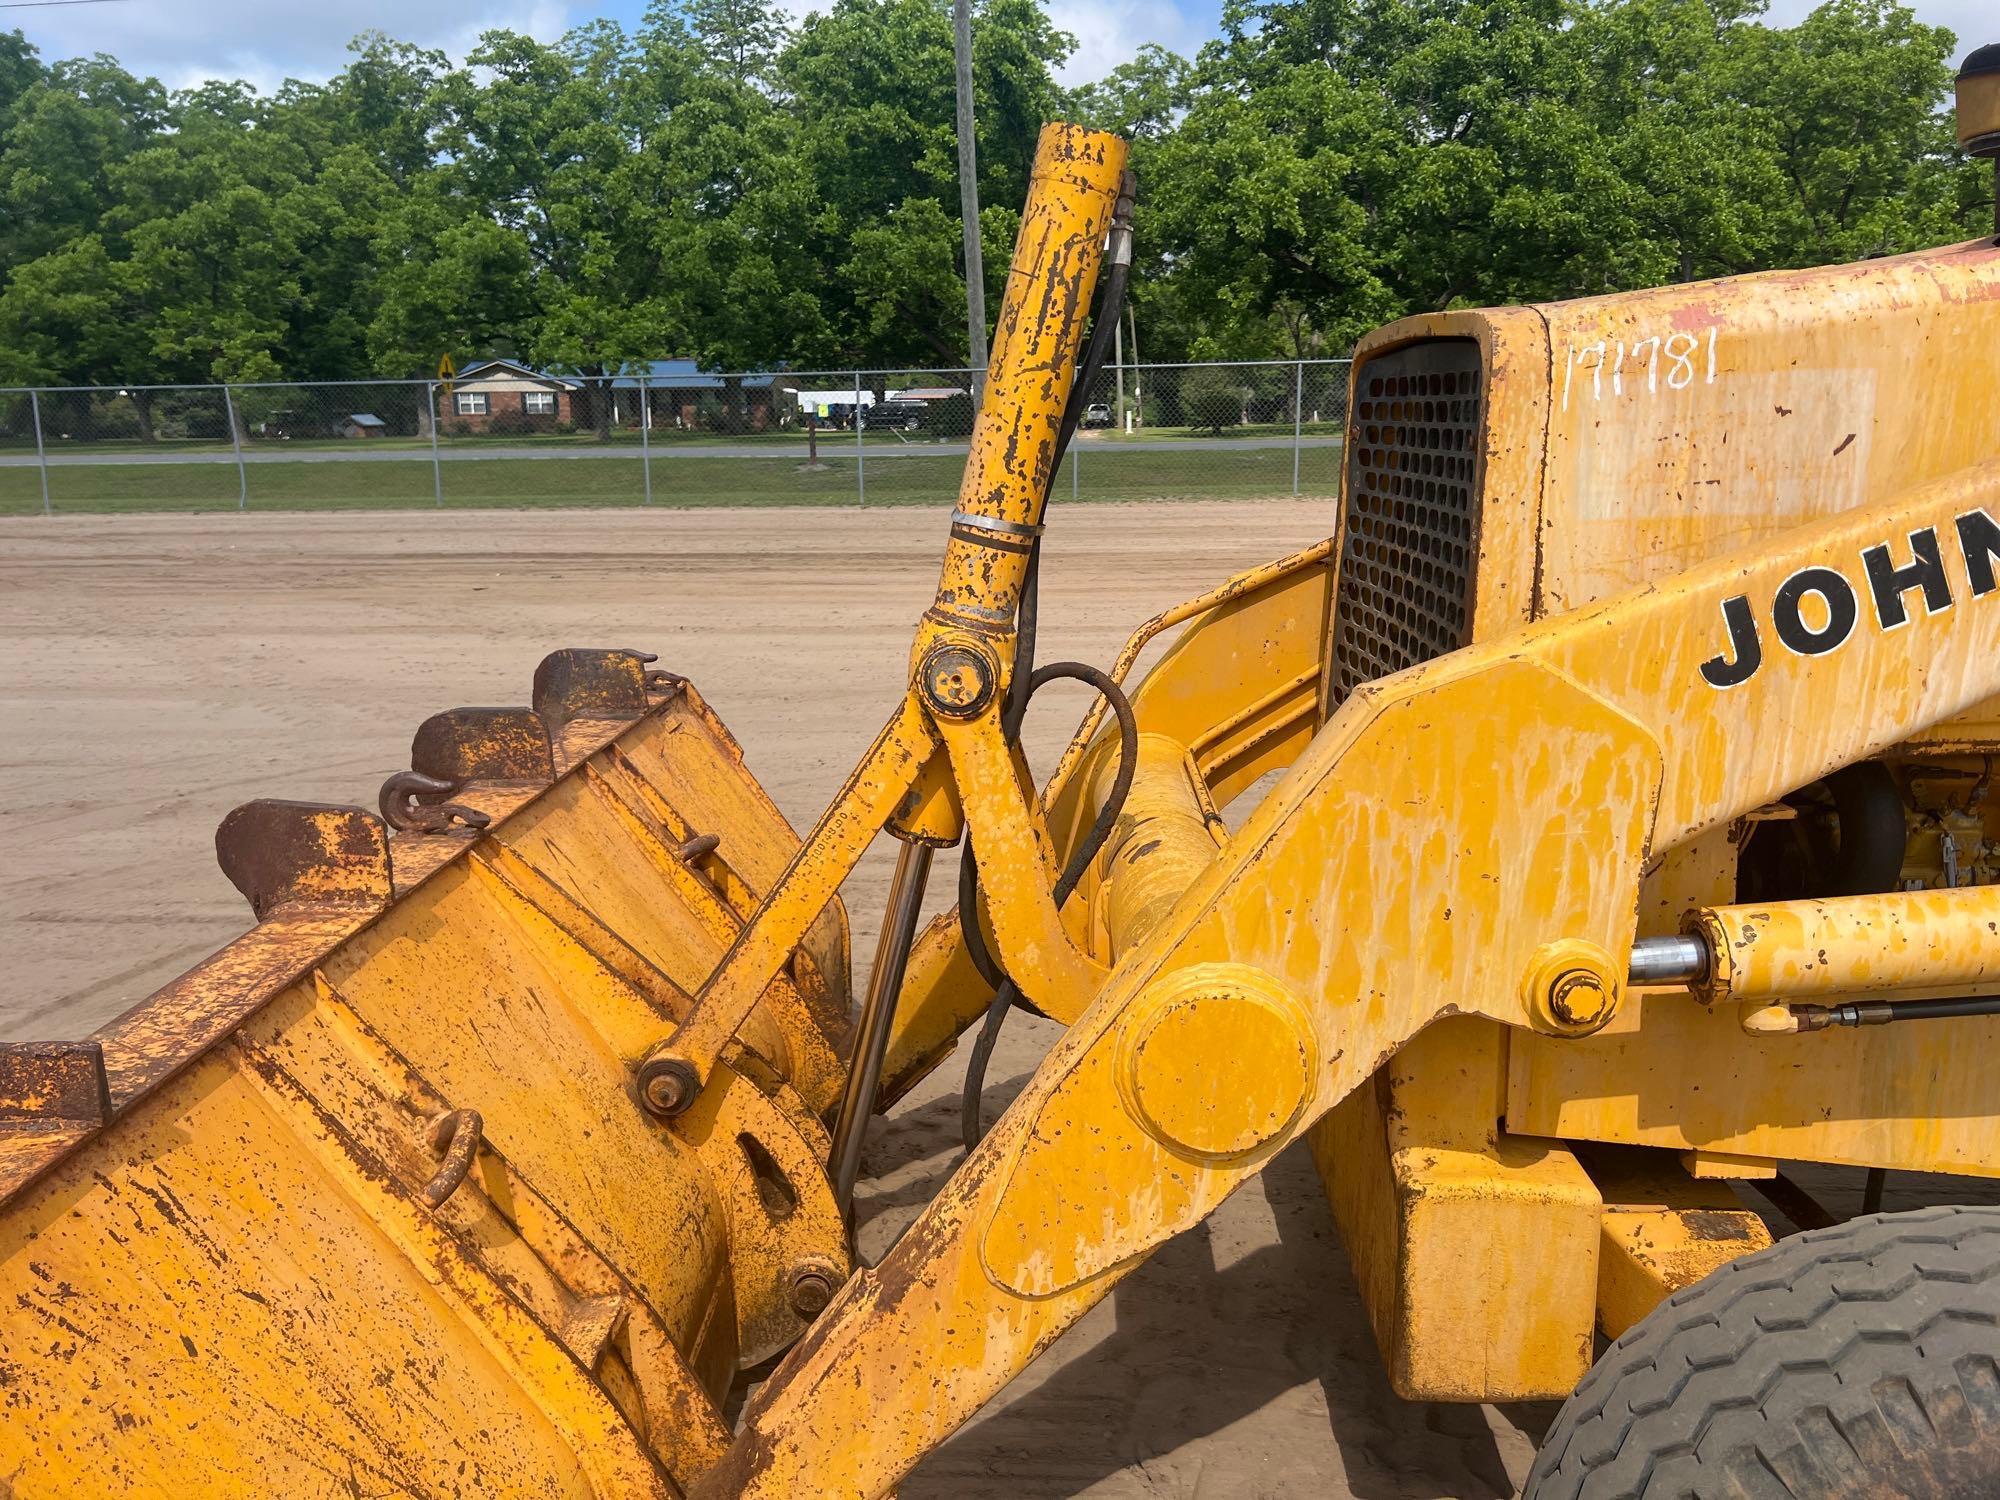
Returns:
(1110,32)
(265,44)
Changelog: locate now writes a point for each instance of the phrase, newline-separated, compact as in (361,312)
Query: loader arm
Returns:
(1467,836)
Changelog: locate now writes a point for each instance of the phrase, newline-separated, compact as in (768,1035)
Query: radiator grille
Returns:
(1411,528)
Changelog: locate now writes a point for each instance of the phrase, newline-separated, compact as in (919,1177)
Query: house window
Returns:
(539,403)
(471,403)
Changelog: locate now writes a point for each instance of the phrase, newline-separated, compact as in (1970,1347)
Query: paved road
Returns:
(830,448)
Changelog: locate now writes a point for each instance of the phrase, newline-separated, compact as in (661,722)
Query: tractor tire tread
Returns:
(1801,1370)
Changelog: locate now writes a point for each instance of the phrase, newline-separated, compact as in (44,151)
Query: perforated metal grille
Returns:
(1410,541)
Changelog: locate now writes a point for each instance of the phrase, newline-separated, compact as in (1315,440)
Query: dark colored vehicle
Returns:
(897,416)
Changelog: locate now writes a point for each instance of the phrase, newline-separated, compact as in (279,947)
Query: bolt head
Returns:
(957,679)
(667,1085)
(813,1285)
(1577,999)
(1571,988)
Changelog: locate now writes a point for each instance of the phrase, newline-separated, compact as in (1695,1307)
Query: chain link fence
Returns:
(502,435)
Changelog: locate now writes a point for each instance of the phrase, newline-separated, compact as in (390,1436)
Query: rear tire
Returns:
(1862,1360)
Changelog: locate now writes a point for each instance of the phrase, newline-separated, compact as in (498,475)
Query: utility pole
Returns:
(1138,380)
(968,199)
(1119,412)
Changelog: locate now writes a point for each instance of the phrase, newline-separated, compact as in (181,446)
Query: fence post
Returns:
(860,451)
(437,472)
(1298,415)
(41,454)
(236,442)
(646,436)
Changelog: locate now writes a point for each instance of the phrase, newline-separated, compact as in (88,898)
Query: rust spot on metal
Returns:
(60,1083)
(1715,1224)
(281,854)
(484,744)
(581,682)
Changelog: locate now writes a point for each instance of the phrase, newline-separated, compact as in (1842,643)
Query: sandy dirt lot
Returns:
(159,670)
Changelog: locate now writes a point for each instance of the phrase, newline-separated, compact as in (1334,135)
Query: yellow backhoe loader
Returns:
(1623,830)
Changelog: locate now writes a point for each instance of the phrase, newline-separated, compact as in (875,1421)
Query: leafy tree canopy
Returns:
(720,183)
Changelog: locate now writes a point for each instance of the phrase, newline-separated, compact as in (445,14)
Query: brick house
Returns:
(498,395)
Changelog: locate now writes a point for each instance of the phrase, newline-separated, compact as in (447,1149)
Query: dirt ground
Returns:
(161,669)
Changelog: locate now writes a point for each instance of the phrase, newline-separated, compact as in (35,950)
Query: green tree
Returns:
(1211,400)
(67,133)
(870,84)
(1141,100)
(1343,162)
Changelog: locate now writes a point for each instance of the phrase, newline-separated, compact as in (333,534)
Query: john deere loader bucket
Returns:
(381,1212)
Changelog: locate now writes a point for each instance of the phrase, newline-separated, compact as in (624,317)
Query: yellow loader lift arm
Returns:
(961,664)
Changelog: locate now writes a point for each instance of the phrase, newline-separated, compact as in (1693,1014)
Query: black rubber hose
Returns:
(1027,624)
(1945,1010)
(1109,311)
(970,1124)
(968,917)
(1128,763)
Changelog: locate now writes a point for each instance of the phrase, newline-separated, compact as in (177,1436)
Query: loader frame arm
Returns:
(1464,837)
(946,734)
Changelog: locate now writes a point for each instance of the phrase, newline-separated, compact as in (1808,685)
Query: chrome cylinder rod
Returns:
(878,1011)
(1669,960)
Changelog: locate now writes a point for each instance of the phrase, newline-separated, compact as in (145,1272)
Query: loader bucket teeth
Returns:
(281,853)
(505,745)
(417,1073)
(588,685)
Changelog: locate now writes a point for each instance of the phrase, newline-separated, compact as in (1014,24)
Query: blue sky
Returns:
(182,43)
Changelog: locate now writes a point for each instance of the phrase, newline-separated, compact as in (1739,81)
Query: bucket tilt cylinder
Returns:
(1892,950)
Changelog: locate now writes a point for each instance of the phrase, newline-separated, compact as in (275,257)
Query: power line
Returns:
(39,4)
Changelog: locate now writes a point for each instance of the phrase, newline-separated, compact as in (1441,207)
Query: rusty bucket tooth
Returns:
(588,684)
(505,745)
(311,853)
(53,1086)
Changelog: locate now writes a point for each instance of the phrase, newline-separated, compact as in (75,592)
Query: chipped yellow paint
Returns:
(1662,1231)
(380,1206)
(1522,785)
(566,1319)
(1853,945)
(1474,1249)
